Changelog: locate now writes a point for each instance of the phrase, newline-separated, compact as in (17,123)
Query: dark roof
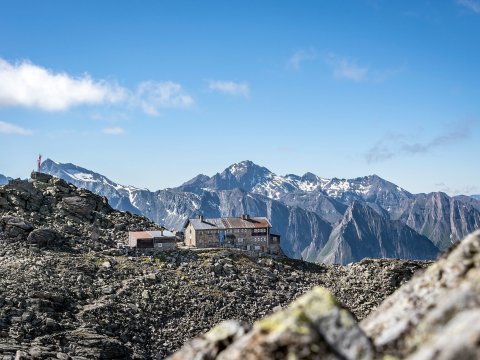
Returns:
(150,234)
(229,223)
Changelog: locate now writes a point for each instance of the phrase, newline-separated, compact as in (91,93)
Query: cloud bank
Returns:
(27,85)
(229,87)
(394,145)
(11,129)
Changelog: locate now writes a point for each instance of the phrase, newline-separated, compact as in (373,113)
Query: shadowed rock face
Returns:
(363,232)
(436,315)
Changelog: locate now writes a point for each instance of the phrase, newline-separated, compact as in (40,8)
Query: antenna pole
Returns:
(39,162)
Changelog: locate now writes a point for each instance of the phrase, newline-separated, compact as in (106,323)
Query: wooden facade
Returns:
(153,240)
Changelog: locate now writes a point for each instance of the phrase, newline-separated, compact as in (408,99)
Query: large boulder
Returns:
(314,327)
(437,314)
(41,177)
(45,238)
(15,228)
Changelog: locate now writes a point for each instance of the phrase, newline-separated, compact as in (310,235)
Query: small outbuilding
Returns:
(162,240)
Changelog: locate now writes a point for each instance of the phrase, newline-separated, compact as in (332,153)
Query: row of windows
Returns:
(232,231)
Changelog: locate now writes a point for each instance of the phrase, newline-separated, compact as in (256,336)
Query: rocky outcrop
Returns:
(14,228)
(48,212)
(435,315)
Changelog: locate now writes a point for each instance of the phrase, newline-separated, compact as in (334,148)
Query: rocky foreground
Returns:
(436,315)
(67,292)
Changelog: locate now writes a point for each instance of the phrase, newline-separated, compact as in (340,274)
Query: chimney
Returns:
(245,217)
(200,217)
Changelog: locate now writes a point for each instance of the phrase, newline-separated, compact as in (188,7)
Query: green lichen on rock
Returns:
(223,331)
(298,317)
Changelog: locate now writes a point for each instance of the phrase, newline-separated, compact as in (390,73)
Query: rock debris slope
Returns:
(436,315)
(66,292)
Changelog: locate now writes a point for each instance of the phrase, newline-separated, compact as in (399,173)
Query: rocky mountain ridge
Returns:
(303,209)
(67,292)
(364,233)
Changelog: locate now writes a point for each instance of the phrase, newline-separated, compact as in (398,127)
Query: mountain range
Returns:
(322,220)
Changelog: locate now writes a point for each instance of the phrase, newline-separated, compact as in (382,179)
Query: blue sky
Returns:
(152,93)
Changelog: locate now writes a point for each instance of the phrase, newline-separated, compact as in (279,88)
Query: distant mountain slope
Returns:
(476,197)
(303,209)
(471,200)
(4,179)
(318,202)
(443,219)
(364,233)
(120,197)
(371,189)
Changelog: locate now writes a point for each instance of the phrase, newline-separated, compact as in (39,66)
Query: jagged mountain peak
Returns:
(309,176)
(244,175)
(246,168)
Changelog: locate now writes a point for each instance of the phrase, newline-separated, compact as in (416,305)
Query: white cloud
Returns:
(230,87)
(7,128)
(344,68)
(471,4)
(151,96)
(27,85)
(114,131)
(300,56)
(24,84)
